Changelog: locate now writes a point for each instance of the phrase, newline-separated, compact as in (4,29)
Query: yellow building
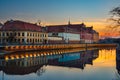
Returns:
(19,32)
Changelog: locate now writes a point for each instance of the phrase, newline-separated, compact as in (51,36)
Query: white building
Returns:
(67,37)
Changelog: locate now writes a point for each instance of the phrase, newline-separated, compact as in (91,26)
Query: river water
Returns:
(73,64)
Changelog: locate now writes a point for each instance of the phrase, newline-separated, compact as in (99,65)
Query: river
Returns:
(73,64)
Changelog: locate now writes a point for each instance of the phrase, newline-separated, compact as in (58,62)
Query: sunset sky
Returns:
(91,12)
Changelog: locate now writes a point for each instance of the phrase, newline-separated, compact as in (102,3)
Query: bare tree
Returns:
(114,21)
(115,17)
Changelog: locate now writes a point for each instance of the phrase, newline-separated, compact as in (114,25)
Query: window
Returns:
(7,34)
(27,40)
(15,40)
(54,34)
(6,40)
(22,34)
(27,34)
(18,34)
(40,40)
(30,34)
(18,40)
(35,40)
(40,35)
(30,40)
(3,34)
(22,40)
(10,34)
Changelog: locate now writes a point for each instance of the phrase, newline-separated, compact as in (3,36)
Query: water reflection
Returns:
(34,62)
(93,63)
(75,60)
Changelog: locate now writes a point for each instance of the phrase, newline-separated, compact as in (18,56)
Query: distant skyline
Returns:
(91,12)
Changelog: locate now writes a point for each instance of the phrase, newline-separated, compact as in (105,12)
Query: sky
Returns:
(51,12)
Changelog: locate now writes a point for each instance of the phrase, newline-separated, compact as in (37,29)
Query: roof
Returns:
(20,26)
(62,28)
(74,28)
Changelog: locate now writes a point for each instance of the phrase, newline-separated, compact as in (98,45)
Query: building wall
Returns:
(22,37)
(67,37)
(88,38)
(54,38)
(96,37)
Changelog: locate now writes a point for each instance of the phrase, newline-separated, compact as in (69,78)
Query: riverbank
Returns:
(14,48)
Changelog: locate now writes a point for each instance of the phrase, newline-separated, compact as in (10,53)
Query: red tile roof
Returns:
(20,26)
(75,28)
(56,28)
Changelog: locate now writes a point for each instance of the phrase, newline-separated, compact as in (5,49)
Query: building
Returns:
(19,32)
(86,33)
(62,34)
(95,36)
(72,33)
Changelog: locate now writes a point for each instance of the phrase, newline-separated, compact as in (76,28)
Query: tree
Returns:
(115,17)
(113,25)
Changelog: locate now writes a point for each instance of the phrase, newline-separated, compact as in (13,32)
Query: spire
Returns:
(69,22)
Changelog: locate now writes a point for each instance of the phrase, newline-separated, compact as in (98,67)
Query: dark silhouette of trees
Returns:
(115,17)
(114,21)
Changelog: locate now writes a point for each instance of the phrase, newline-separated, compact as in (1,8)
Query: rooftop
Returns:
(16,25)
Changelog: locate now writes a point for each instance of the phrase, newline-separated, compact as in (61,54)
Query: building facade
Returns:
(95,36)
(19,32)
(73,33)
(64,33)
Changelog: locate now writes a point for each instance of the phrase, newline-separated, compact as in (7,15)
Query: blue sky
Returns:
(56,11)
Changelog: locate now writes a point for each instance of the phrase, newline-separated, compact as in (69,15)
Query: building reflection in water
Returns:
(34,62)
